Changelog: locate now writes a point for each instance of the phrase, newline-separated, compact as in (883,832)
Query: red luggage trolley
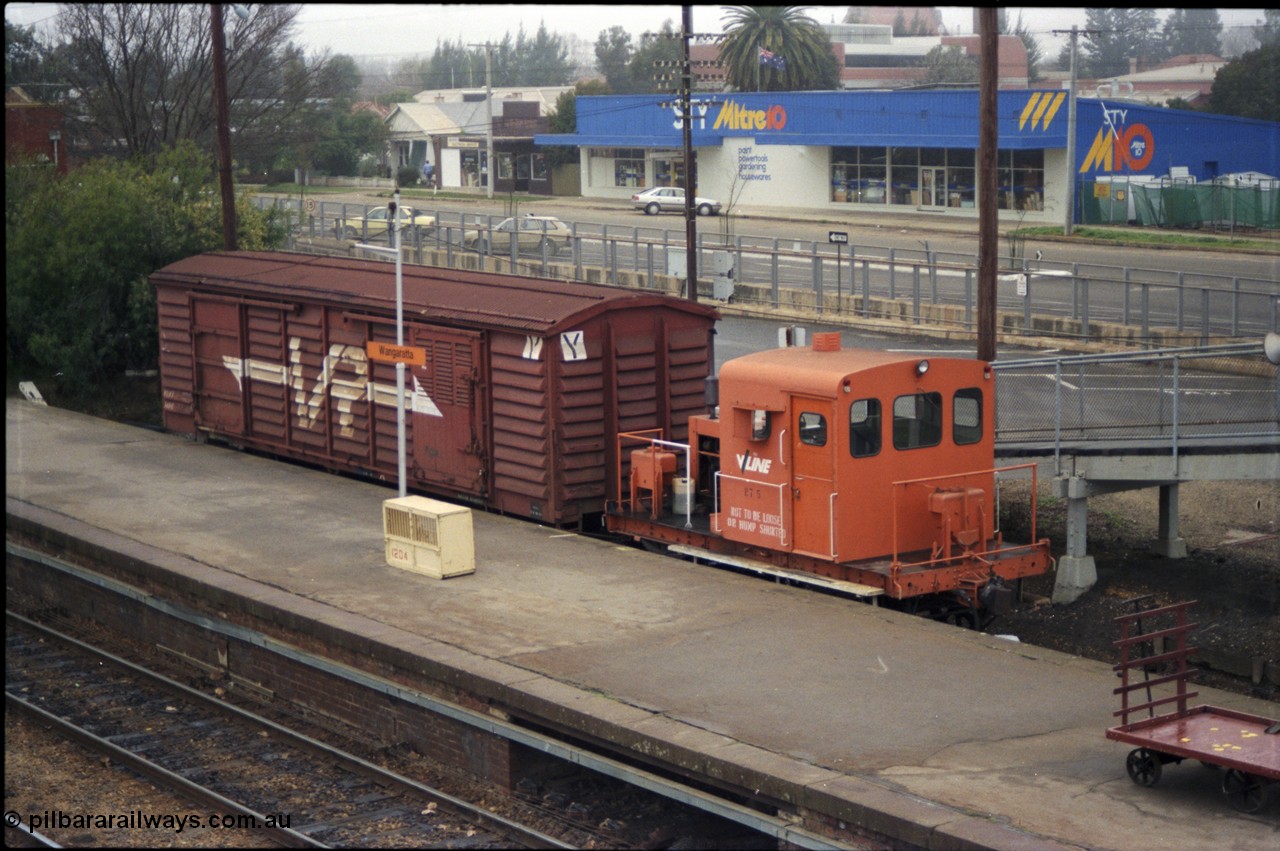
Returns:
(1247,746)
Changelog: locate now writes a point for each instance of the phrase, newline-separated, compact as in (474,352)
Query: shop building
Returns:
(903,151)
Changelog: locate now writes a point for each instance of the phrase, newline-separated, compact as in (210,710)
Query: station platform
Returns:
(982,740)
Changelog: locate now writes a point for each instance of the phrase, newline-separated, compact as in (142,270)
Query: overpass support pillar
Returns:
(1169,542)
(1077,572)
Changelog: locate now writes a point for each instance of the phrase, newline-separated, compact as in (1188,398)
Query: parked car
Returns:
(670,199)
(374,224)
(532,234)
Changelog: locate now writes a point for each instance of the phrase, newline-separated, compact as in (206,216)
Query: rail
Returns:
(916,286)
(896,565)
(646,436)
(1161,401)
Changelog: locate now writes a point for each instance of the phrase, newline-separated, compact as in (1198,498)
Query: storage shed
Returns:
(518,390)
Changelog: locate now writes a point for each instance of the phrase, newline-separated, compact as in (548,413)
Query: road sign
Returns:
(838,237)
(391,353)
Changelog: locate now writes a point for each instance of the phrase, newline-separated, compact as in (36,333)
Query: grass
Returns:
(1144,237)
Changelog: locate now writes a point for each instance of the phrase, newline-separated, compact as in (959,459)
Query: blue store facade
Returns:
(908,151)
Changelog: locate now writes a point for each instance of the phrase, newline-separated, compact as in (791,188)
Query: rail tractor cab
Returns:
(872,469)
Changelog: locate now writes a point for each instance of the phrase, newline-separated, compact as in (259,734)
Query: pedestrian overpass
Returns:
(1153,419)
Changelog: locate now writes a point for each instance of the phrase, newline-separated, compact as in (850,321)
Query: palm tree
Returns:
(796,52)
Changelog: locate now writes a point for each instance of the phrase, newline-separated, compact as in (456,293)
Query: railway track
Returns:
(583,797)
(243,770)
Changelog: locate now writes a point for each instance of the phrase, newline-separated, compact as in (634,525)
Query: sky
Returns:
(401,30)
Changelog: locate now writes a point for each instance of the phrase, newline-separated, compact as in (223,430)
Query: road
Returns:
(917,258)
(909,236)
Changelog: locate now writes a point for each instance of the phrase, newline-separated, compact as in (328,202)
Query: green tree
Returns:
(1267,31)
(802,56)
(613,58)
(80,248)
(1250,86)
(655,65)
(32,64)
(564,119)
(949,64)
(1035,54)
(1117,35)
(1190,32)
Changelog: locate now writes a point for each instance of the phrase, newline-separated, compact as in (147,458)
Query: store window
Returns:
(628,167)
(904,176)
(858,175)
(538,162)
(668,170)
(1020,176)
(505,165)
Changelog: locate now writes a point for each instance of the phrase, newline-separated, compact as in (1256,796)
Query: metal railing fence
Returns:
(855,280)
(1156,399)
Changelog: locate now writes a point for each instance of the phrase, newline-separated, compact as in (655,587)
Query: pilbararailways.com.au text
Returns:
(140,820)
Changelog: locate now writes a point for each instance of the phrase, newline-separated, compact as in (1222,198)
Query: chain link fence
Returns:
(1174,204)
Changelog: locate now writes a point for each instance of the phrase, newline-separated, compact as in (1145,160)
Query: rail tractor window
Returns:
(966,416)
(760,425)
(917,421)
(864,428)
(813,429)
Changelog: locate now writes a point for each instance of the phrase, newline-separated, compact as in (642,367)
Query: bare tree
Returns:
(144,74)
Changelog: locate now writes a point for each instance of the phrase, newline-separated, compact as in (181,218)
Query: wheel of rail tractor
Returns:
(1245,791)
(1143,766)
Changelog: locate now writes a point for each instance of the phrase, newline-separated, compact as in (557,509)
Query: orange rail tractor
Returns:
(860,471)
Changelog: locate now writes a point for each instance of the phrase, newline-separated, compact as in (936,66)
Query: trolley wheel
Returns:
(1143,766)
(1244,791)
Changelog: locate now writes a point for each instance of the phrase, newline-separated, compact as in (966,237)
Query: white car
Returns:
(533,233)
(671,199)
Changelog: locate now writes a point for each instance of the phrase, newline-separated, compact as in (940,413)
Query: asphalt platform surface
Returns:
(984,726)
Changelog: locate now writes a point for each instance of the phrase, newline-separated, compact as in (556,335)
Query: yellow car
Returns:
(533,233)
(374,224)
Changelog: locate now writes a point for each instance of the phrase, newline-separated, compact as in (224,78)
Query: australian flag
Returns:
(768,57)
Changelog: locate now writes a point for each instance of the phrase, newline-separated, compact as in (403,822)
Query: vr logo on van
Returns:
(749,463)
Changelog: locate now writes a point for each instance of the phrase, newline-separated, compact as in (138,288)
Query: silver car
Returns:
(670,199)
(533,233)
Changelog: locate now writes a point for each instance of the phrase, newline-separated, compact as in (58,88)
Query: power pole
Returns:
(491,170)
(988,140)
(222,117)
(488,103)
(686,110)
(1071,141)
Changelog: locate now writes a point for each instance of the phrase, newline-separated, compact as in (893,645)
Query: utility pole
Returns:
(686,110)
(491,169)
(1069,221)
(988,140)
(488,104)
(222,117)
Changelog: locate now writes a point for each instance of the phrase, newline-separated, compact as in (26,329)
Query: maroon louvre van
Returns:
(516,389)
